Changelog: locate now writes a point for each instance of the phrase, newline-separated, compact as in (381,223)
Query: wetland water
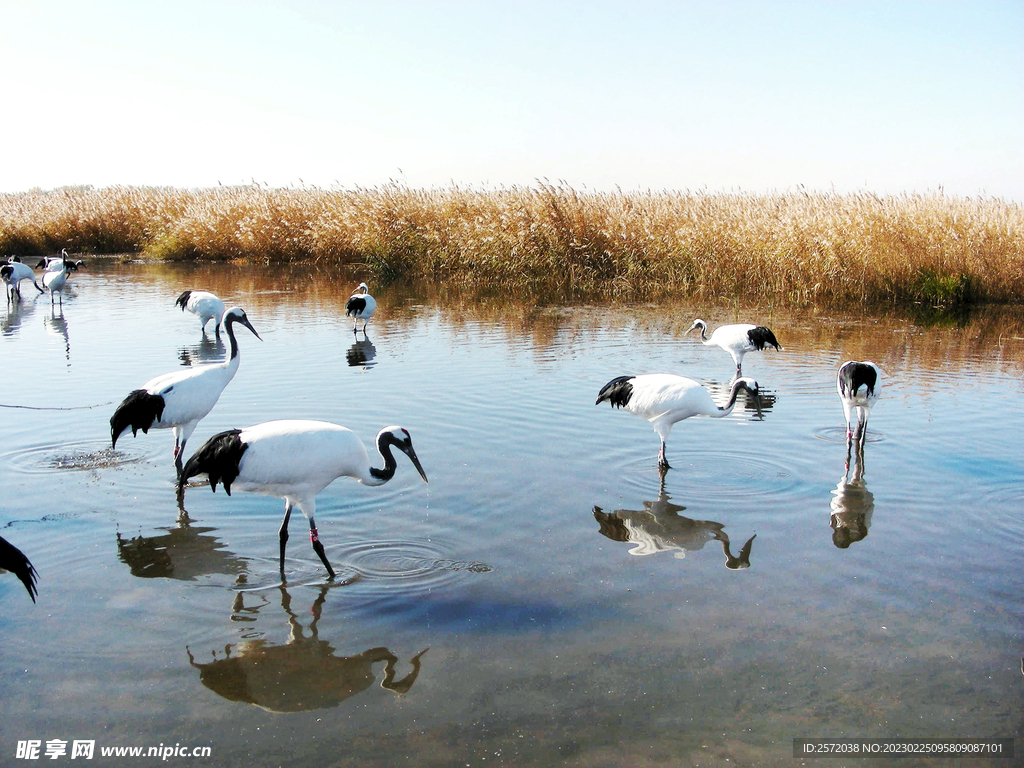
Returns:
(545,599)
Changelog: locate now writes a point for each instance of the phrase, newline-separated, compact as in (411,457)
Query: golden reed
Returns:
(788,248)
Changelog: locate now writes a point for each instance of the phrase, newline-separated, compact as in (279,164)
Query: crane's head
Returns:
(698,324)
(400,438)
(237,315)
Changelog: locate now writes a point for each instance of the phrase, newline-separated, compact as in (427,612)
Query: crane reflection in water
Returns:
(302,674)
(185,552)
(659,527)
(852,503)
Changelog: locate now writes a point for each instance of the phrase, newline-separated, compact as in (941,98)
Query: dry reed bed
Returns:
(825,249)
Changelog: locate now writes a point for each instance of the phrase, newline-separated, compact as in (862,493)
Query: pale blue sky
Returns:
(885,97)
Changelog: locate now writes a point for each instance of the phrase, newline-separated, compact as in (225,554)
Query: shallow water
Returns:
(545,599)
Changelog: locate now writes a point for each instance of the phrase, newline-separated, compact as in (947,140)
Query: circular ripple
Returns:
(838,435)
(718,475)
(81,456)
(413,565)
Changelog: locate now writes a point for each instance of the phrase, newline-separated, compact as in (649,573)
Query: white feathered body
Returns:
(190,394)
(204,305)
(296,459)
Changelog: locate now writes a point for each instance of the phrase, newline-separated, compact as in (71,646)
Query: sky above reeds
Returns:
(882,97)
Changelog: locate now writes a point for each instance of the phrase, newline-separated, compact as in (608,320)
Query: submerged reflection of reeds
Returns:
(893,340)
(302,674)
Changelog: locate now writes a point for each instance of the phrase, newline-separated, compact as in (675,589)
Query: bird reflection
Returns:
(361,353)
(756,405)
(184,552)
(57,325)
(302,674)
(659,527)
(16,312)
(852,503)
(206,351)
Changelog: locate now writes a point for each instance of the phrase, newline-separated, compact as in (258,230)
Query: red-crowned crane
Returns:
(295,460)
(179,400)
(664,399)
(360,306)
(13,559)
(737,339)
(204,305)
(54,279)
(859,384)
(13,272)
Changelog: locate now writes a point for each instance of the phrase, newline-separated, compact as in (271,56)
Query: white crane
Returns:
(360,306)
(859,384)
(204,305)
(55,279)
(13,272)
(179,400)
(56,263)
(737,339)
(295,460)
(664,399)
(13,559)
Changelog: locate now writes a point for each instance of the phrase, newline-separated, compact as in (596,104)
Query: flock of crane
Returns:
(296,459)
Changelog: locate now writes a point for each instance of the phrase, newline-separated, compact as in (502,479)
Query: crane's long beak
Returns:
(247,324)
(411,453)
(757,404)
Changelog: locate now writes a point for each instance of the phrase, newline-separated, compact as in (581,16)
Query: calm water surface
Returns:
(545,599)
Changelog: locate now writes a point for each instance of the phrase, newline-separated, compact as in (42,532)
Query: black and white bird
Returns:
(360,306)
(55,279)
(13,272)
(737,339)
(295,460)
(859,384)
(664,399)
(56,263)
(13,559)
(179,400)
(204,305)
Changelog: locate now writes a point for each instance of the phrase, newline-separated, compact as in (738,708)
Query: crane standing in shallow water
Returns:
(295,460)
(360,306)
(737,339)
(859,384)
(664,399)
(179,400)
(204,305)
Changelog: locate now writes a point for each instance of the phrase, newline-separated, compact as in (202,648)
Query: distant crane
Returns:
(360,306)
(295,460)
(737,339)
(204,305)
(664,399)
(13,272)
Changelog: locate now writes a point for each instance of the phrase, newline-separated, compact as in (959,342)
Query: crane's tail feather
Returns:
(617,392)
(140,410)
(218,458)
(762,337)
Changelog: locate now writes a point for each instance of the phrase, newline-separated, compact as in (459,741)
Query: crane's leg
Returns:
(283,533)
(662,461)
(314,537)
